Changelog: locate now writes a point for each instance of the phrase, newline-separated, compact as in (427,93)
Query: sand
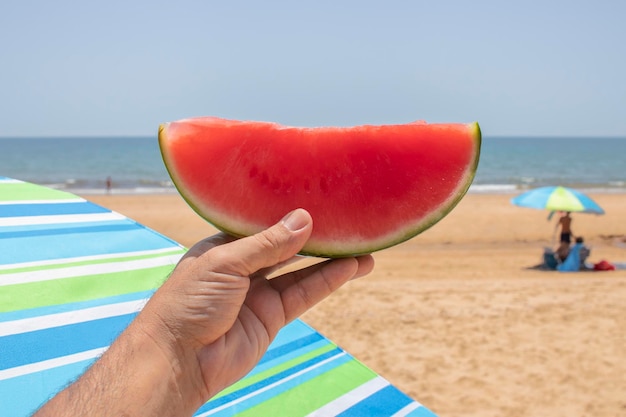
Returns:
(459,320)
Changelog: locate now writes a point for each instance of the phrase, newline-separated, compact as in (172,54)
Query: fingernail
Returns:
(295,220)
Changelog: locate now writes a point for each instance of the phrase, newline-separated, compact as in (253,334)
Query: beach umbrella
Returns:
(74,274)
(557,199)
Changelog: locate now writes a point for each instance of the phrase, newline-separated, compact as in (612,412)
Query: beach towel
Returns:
(74,274)
(572,262)
(576,259)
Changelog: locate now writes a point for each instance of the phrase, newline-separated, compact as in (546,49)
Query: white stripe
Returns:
(341,404)
(86,270)
(268,387)
(10,181)
(50,363)
(61,201)
(405,411)
(61,218)
(32,324)
(90,258)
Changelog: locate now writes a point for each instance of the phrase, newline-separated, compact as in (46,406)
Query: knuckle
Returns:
(269,240)
(219,256)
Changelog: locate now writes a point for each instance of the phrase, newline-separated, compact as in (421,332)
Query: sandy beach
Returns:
(458,318)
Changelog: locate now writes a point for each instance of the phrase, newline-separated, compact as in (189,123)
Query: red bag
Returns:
(604,266)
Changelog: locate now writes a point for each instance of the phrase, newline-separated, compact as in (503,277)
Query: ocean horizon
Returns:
(81,165)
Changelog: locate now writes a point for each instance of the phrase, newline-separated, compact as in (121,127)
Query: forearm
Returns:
(135,377)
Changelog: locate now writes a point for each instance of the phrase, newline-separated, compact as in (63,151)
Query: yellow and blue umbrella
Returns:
(557,199)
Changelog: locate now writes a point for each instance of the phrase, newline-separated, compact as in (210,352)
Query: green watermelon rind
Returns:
(322,249)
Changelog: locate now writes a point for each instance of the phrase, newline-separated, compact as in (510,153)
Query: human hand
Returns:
(207,326)
(216,315)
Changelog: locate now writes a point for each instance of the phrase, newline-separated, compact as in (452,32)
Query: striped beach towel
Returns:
(74,274)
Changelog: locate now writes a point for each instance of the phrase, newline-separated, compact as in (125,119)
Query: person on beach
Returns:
(109,185)
(576,260)
(207,326)
(565,226)
(584,252)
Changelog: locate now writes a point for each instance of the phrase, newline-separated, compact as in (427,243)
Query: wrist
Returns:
(137,376)
(176,365)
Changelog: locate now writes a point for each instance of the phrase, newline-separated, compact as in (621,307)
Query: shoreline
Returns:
(489,189)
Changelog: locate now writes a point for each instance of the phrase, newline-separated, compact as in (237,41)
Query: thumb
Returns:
(272,246)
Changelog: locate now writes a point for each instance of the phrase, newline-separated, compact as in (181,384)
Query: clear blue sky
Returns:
(122,67)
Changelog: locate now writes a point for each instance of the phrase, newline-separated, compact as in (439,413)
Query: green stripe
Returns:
(311,395)
(19,191)
(563,200)
(275,370)
(174,251)
(68,290)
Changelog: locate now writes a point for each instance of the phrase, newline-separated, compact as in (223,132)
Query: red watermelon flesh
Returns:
(366,187)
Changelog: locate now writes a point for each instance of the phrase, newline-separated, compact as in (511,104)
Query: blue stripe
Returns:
(277,390)
(120,239)
(289,356)
(384,402)
(21,396)
(95,228)
(277,352)
(274,378)
(294,335)
(29,209)
(293,331)
(25,348)
(421,411)
(59,226)
(62,308)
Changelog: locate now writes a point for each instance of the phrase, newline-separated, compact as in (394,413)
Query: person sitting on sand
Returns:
(575,261)
(584,252)
(562,251)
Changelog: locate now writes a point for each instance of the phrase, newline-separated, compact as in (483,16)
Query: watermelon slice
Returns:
(366,187)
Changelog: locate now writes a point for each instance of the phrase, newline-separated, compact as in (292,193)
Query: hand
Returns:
(216,315)
(208,325)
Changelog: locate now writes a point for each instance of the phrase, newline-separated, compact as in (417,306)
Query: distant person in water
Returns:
(565,226)
(109,185)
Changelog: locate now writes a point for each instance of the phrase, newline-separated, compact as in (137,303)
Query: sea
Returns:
(507,164)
